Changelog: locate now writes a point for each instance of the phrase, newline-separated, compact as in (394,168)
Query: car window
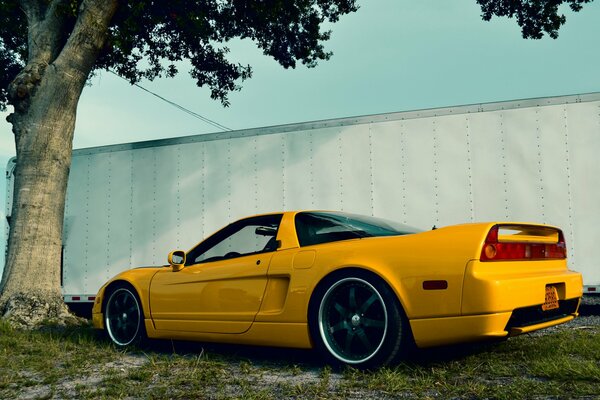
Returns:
(248,236)
(324,227)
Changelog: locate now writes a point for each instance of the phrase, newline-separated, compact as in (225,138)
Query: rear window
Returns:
(324,227)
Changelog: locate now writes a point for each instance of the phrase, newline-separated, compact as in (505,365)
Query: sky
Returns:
(391,55)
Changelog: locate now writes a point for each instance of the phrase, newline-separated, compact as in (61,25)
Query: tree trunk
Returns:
(43,135)
(45,96)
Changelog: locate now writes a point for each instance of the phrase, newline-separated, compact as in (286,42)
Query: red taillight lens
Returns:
(495,250)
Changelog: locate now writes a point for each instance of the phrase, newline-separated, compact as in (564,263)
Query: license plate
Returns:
(551,301)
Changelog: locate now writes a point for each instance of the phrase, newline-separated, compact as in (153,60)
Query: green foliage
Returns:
(148,37)
(13,46)
(533,16)
(5,328)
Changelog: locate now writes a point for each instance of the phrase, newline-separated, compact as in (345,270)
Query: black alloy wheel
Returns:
(123,317)
(356,320)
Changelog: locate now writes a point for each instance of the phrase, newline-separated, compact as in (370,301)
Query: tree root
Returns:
(32,311)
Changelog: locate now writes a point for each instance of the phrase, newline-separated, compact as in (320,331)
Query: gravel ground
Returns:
(589,311)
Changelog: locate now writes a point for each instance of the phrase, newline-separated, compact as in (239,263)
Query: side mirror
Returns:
(266,231)
(177,260)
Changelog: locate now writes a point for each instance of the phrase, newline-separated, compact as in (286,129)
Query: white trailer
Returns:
(536,160)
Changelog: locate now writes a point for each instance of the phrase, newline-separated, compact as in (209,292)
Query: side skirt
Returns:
(294,335)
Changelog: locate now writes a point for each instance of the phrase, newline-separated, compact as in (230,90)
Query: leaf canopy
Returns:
(535,17)
(147,38)
(13,46)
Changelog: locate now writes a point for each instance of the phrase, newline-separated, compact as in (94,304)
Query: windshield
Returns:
(323,227)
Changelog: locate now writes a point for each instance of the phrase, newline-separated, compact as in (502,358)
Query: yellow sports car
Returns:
(361,290)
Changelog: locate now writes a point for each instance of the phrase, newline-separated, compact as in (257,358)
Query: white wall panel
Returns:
(191,178)
(97,217)
(325,170)
(488,151)
(76,228)
(355,170)
(167,210)
(452,168)
(144,186)
(583,130)
(298,187)
(523,168)
(389,171)
(129,205)
(421,202)
(554,165)
(218,185)
(269,173)
(117,190)
(243,178)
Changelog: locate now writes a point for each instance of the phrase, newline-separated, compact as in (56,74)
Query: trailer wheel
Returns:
(123,317)
(356,319)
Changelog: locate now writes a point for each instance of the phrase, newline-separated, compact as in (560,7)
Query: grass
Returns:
(74,363)
(559,365)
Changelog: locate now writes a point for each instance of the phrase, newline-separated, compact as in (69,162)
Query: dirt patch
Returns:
(90,381)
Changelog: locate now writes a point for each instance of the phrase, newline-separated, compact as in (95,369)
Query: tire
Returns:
(355,319)
(124,318)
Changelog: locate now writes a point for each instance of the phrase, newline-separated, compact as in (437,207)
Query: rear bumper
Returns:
(430,332)
(495,287)
(502,299)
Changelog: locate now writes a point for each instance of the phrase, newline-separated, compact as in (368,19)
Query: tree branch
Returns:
(46,30)
(88,36)
(31,8)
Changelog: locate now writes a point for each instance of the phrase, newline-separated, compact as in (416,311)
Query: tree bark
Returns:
(45,96)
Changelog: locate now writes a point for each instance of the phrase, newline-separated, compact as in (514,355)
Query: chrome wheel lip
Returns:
(321,321)
(107,322)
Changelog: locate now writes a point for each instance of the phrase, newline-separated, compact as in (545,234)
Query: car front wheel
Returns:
(123,317)
(356,319)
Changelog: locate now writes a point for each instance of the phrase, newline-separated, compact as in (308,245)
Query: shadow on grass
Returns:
(445,354)
(257,355)
(272,357)
(84,334)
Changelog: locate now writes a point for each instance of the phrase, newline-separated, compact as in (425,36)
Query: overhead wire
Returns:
(185,110)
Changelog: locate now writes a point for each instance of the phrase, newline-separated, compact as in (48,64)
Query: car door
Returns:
(222,285)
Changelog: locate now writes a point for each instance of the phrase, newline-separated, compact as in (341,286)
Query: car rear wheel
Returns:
(356,319)
(123,317)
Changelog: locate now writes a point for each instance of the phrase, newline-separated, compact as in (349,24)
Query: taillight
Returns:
(511,247)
